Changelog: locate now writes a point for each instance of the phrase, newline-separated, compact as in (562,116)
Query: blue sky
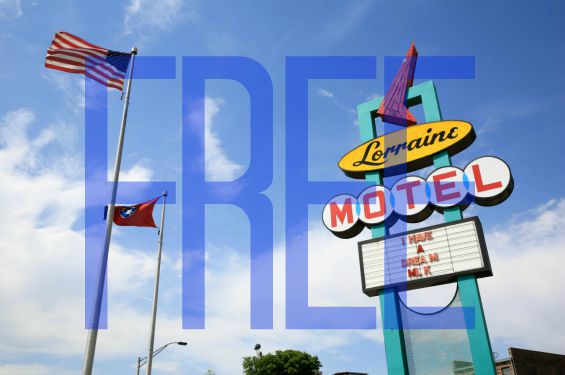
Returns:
(514,104)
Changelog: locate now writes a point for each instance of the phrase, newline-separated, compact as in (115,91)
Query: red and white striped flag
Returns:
(72,54)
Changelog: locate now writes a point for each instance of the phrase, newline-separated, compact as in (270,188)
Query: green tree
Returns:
(287,362)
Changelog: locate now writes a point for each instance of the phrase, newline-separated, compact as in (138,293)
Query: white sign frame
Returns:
(479,270)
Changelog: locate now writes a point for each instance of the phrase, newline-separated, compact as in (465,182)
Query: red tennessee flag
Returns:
(139,215)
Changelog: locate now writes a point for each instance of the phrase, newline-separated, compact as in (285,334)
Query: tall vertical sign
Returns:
(453,252)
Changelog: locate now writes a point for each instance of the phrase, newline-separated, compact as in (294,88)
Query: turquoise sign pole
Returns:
(477,333)
(392,324)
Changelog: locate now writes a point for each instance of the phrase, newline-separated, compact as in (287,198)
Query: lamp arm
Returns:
(163,348)
(143,360)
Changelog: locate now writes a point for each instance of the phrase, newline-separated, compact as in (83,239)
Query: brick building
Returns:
(530,362)
(520,362)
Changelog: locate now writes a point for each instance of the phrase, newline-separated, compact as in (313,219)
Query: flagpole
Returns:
(156,291)
(93,331)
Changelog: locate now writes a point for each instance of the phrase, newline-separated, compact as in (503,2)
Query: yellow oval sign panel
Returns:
(408,149)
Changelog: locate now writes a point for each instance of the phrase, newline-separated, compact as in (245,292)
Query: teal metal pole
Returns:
(395,347)
(479,342)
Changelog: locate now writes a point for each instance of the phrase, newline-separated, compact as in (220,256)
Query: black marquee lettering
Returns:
(415,144)
(427,138)
(388,149)
(398,147)
(441,135)
(375,156)
(451,134)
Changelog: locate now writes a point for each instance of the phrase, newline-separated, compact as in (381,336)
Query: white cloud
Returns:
(329,256)
(325,93)
(42,255)
(43,272)
(10,8)
(373,96)
(218,166)
(495,114)
(227,337)
(144,17)
(72,87)
(351,17)
(138,172)
(523,301)
(38,248)
(32,369)
(490,125)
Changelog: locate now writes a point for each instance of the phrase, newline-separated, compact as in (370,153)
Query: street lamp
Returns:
(257,349)
(143,361)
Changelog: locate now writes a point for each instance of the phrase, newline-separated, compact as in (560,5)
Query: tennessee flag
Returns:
(139,215)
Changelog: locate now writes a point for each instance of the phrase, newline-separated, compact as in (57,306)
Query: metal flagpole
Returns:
(156,291)
(93,331)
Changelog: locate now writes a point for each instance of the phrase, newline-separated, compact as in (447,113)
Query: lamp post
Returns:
(142,361)
(258,352)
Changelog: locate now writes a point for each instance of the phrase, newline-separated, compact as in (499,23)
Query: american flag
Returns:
(72,54)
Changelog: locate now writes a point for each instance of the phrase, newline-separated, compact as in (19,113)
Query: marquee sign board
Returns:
(424,257)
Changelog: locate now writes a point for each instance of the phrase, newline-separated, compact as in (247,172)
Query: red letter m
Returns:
(414,272)
(341,213)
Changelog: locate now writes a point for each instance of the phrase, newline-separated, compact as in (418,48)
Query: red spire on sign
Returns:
(393,108)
